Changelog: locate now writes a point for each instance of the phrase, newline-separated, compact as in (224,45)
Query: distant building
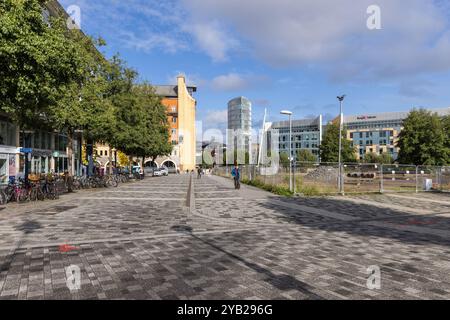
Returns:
(379,132)
(240,122)
(306,134)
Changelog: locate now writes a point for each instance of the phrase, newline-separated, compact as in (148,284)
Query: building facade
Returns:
(306,134)
(378,133)
(45,152)
(240,123)
(181,110)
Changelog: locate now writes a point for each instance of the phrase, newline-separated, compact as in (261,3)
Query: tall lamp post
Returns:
(341,120)
(289,113)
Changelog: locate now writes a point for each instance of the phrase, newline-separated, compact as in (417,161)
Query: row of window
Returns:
(298,145)
(300,137)
(363,151)
(369,134)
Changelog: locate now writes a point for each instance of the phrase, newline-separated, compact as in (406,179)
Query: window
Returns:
(106,153)
(351,135)
(174,132)
(360,135)
(174,119)
(101,152)
(174,109)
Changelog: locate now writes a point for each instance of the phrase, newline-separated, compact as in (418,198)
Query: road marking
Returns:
(312,210)
(139,191)
(132,199)
(212,199)
(383,205)
(418,199)
(142,237)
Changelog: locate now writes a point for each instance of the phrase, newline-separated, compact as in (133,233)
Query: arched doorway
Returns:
(149,166)
(170,165)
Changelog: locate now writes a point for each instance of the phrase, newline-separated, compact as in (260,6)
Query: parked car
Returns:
(164,170)
(149,170)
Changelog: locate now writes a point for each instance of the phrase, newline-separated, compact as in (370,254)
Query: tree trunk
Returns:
(110,161)
(70,152)
(90,156)
(130,164)
(70,164)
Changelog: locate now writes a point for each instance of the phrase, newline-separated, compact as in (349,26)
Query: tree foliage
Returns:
(329,148)
(55,78)
(424,139)
(304,155)
(37,62)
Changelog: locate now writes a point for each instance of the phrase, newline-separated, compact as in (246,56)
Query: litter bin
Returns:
(427,184)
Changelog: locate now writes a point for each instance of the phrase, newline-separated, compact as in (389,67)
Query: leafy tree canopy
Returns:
(424,139)
(329,149)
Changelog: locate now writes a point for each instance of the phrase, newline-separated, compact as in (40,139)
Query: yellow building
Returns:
(181,108)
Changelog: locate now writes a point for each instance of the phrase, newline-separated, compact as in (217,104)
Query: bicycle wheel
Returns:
(40,194)
(3,197)
(33,194)
(22,195)
(112,182)
(9,191)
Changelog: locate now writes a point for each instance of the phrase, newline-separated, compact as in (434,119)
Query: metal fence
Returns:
(323,178)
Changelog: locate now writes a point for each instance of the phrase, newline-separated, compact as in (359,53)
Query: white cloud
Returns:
(212,39)
(333,34)
(230,82)
(216,117)
(237,82)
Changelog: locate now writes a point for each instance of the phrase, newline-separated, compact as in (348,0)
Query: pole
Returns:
(381,179)
(290,154)
(340,144)
(261,140)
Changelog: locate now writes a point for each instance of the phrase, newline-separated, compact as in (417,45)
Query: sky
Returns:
(295,55)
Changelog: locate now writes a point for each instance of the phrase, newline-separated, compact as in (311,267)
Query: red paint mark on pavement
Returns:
(66,248)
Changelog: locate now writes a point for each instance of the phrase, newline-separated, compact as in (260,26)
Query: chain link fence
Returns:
(324,178)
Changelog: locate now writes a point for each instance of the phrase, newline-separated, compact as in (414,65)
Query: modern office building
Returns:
(240,123)
(181,109)
(378,133)
(306,134)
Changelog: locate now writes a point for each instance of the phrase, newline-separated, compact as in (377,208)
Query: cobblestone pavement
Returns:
(145,240)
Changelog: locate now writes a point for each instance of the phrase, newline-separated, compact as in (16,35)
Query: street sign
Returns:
(26,150)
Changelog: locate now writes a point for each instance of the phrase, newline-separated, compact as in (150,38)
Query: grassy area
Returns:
(276,189)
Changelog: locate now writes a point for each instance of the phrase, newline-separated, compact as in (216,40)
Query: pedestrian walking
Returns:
(236,174)
(199,173)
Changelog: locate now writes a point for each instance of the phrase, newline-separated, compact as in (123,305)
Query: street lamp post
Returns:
(289,113)
(341,120)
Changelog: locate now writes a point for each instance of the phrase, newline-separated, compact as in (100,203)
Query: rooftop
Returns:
(386,116)
(171,91)
(297,123)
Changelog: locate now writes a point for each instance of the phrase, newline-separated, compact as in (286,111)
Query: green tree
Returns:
(446,125)
(304,155)
(156,137)
(423,140)
(329,149)
(284,159)
(385,158)
(37,63)
(371,157)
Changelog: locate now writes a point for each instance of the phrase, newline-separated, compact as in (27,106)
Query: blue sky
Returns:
(283,54)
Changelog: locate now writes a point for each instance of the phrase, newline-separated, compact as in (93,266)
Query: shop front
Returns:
(39,161)
(7,164)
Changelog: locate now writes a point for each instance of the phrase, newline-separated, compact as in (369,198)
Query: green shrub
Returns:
(279,190)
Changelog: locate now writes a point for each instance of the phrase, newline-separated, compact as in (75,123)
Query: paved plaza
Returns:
(181,238)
